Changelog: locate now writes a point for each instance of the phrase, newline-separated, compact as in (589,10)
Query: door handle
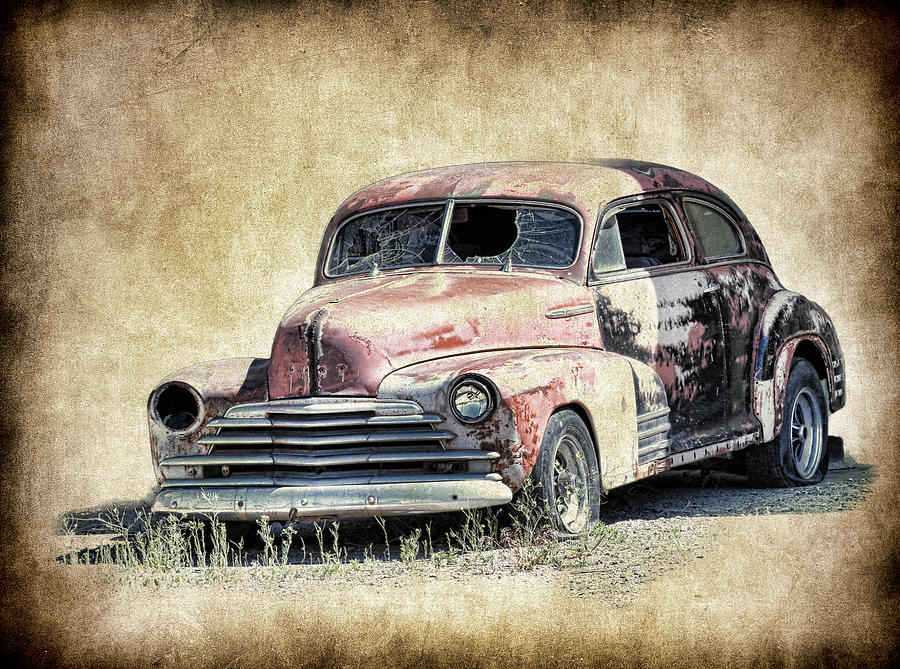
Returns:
(712,288)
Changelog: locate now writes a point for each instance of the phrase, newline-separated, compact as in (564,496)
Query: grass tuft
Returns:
(152,549)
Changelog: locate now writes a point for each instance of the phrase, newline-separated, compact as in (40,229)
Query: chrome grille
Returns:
(327,441)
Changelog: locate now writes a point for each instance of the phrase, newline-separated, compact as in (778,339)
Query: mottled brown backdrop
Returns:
(167,171)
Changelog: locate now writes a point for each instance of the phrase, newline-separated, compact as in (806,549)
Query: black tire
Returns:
(799,454)
(567,461)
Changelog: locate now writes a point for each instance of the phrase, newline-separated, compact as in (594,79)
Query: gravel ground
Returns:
(674,518)
(649,528)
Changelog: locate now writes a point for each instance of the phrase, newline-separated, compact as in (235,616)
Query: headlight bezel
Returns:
(198,413)
(480,383)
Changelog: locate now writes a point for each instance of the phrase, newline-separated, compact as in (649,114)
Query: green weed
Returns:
(409,546)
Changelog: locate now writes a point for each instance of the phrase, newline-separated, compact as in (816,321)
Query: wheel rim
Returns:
(806,433)
(570,484)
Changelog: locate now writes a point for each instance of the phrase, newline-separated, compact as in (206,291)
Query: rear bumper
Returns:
(317,502)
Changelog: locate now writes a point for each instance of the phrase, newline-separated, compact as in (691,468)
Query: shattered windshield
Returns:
(387,239)
(480,234)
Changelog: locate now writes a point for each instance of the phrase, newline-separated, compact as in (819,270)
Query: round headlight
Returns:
(471,400)
(177,406)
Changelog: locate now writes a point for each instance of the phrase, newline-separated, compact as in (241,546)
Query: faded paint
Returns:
(789,320)
(764,407)
(651,318)
(649,389)
(374,326)
(771,392)
(746,287)
(582,187)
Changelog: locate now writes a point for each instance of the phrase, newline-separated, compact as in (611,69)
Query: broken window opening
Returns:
(480,234)
(648,236)
(515,235)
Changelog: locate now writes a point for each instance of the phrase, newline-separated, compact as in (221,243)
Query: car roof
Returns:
(585,187)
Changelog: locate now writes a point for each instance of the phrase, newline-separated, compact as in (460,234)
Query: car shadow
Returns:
(695,493)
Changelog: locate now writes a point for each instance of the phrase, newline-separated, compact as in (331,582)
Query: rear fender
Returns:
(532,384)
(788,322)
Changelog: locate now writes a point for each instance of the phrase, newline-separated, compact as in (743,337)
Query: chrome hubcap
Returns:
(570,484)
(806,433)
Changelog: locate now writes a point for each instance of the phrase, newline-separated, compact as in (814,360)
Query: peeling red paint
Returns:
(392,324)
(220,385)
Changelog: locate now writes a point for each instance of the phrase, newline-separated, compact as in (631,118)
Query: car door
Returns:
(744,285)
(658,308)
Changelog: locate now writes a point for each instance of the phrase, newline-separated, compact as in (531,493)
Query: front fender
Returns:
(531,384)
(219,385)
(789,321)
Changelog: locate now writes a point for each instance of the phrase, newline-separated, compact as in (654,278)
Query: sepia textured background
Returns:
(167,173)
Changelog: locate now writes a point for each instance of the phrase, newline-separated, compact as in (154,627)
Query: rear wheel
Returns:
(567,474)
(798,455)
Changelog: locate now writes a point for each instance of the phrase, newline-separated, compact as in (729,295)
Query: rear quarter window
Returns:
(716,235)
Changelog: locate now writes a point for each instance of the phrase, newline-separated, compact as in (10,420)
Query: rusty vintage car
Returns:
(472,326)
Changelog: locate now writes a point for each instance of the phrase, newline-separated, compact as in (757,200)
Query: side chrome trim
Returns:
(653,431)
(653,415)
(712,450)
(654,451)
(567,312)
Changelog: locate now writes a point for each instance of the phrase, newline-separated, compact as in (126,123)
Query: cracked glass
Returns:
(522,236)
(478,234)
(387,239)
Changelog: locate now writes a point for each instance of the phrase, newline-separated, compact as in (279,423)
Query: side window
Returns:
(641,235)
(716,235)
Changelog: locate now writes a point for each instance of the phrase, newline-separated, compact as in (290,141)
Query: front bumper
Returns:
(325,502)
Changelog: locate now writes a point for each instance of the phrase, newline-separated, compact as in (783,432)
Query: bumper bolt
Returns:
(304,502)
(371,499)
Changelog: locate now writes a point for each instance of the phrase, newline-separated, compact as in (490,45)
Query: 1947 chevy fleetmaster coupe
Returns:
(473,326)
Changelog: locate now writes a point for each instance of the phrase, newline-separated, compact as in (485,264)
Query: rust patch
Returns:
(220,385)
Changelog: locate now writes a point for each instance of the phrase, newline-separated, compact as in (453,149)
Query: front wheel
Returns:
(567,474)
(798,455)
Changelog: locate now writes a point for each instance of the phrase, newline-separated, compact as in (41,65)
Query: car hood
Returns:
(344,337)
